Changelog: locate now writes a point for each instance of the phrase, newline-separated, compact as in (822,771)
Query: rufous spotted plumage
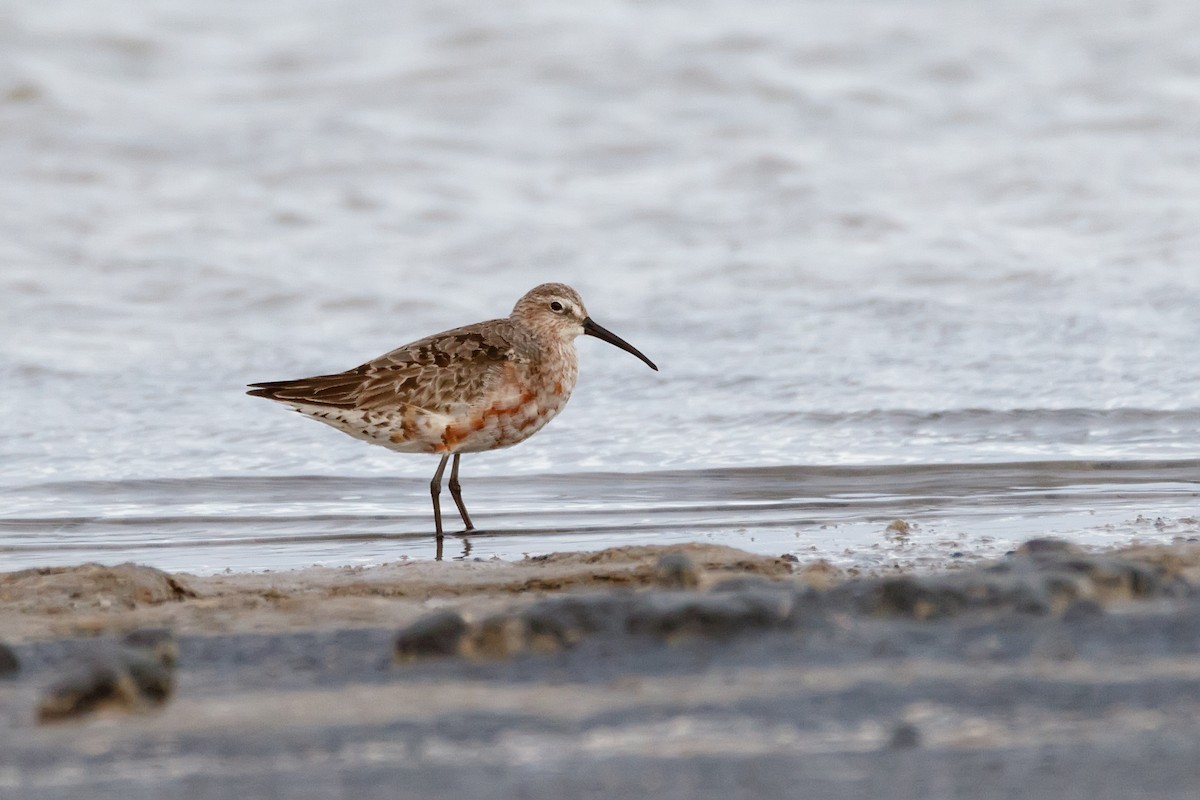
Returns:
(480,387)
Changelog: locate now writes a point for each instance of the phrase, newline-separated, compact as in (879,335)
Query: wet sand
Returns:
(690,671)
(92,600)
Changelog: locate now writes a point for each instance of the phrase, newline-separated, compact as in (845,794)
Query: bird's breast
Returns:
(520,405)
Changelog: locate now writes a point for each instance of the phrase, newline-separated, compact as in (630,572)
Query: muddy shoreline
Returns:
(693,671)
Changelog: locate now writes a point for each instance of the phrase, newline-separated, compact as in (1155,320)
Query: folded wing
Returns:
(435,374)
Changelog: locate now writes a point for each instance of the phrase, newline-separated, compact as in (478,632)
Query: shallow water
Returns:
(872,234)
(841,514)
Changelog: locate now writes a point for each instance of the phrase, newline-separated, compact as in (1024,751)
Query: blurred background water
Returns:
(863,240)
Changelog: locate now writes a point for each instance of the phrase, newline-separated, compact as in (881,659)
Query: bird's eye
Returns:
(556,306)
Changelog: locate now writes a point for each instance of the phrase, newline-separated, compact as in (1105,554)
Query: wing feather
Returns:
(437,373)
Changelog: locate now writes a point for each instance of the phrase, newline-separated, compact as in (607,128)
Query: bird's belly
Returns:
(471,431)
(512,413)
(404,430)
(500,425)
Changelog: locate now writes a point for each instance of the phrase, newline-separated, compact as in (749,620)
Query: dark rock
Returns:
(563,622)
(911,597)
(1044,577)
(152,673)
(498,636)
(112,678)
(576,616)
(159,641)
(9,663)
(437,634)
(709,615)
(1061,590)
(747,583)
(547,632)
(943,596)
(88,688)
(1047,546)
(1115,578)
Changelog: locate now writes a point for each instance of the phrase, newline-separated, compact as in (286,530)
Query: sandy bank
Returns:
(93,599)
(687,672)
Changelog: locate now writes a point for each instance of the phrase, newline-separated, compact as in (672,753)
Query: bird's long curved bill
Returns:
(600,332)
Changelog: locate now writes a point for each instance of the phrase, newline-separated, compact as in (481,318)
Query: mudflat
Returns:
(683,671)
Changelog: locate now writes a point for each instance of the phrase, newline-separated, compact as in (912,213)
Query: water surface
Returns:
(873,235)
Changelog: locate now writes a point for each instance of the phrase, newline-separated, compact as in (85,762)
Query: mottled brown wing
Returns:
(434,373)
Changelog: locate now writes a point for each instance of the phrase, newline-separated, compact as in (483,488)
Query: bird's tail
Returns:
(336,391)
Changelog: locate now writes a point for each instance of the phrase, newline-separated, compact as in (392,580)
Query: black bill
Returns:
(592,329)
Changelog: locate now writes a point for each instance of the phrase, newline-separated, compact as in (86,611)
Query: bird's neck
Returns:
(559,362)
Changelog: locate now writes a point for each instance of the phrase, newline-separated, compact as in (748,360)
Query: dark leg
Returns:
(435,489)
(456,493)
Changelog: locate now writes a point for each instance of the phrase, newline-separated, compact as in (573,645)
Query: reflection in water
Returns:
(466,541)
(438,550)
(466,547)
